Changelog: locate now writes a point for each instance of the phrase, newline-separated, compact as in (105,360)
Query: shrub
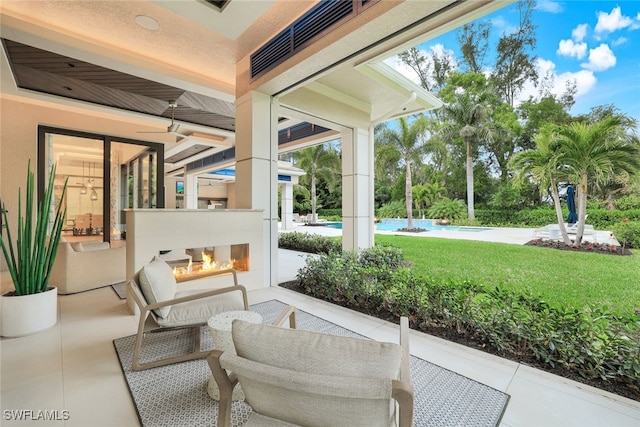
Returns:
(393,209)
(591,342)
(378,255)
(601,219)
(628,233)
(631,201)
(330,212)
(311,243)
(447,208)
(332,218)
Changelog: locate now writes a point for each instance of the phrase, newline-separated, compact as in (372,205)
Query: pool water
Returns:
(395,224)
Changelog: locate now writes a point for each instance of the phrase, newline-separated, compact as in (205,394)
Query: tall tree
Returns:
(406,144)
(506,137)
(432,68)
(599,151)
(466,122)
(320,162)
(514,63)
(474,45)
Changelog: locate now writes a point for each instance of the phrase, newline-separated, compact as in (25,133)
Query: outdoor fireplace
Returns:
(209,260)
(231,237)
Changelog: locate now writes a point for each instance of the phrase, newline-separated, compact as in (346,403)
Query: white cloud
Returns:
(600,58)
(585,81)
(580,32)
(610,22)
(549,6)
(636,23)
(569,48)
(619,41)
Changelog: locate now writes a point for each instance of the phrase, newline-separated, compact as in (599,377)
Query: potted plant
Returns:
(33,306)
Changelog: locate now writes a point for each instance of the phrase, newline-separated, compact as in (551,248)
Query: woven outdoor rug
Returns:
(176,395)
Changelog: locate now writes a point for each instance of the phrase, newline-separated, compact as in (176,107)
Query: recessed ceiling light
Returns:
(147,22)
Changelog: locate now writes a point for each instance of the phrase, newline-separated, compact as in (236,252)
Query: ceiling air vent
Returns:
(318,19)
(322,18)
(271,53)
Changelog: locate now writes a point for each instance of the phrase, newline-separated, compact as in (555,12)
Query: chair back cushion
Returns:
(92,245)
(158,284)
(316,353)
(315,379)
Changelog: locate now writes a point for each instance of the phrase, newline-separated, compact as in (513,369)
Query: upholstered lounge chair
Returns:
(301,378)
(83,266)
(160,307)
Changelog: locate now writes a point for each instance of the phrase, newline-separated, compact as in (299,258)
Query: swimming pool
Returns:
(389,224)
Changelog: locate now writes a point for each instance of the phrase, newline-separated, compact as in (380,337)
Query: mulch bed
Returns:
(618,386)
(600,248)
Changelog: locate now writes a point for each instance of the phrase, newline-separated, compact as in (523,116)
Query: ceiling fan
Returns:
(173,127)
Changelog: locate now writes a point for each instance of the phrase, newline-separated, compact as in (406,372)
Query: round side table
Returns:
(220,328)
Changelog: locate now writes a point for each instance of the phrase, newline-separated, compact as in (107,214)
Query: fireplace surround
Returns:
(235,234)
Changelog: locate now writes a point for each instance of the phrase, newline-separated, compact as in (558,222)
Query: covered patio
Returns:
(74,367)
(233,111)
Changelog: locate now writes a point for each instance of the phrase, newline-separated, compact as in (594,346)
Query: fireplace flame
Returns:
(208,265)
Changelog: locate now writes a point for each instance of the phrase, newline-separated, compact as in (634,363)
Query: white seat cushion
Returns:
(200,310)
(158,284)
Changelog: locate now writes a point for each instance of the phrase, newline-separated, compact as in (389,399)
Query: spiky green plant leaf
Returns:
(31,259)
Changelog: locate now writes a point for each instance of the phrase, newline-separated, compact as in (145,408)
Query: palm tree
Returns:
(541,165)
(598,151)
(467,115)
(405,145)
(320,164)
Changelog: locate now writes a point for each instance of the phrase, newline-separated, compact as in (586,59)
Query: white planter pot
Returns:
(28,314)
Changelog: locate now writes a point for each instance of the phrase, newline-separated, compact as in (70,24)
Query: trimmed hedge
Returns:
(601,219)
(310,243)
(329,212)
(591,342)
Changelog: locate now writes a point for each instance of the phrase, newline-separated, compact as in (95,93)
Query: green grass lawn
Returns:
(559,277)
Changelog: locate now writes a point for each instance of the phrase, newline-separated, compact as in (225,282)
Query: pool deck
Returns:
(516,236)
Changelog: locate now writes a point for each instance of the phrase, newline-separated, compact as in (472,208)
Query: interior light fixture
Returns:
(89,184)
(94,193)
(83,190)
(147,22)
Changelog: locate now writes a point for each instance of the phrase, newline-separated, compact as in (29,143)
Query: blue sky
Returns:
(595,43)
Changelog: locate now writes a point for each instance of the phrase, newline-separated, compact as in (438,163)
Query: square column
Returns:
(190,190)
(257,169)
(357,189)
(286,209)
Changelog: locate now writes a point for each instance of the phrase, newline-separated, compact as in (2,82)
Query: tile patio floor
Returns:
(73,366)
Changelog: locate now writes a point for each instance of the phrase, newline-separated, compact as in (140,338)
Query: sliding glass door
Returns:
(100,187)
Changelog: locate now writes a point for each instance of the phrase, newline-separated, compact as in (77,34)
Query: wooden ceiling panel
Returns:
(39,70)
